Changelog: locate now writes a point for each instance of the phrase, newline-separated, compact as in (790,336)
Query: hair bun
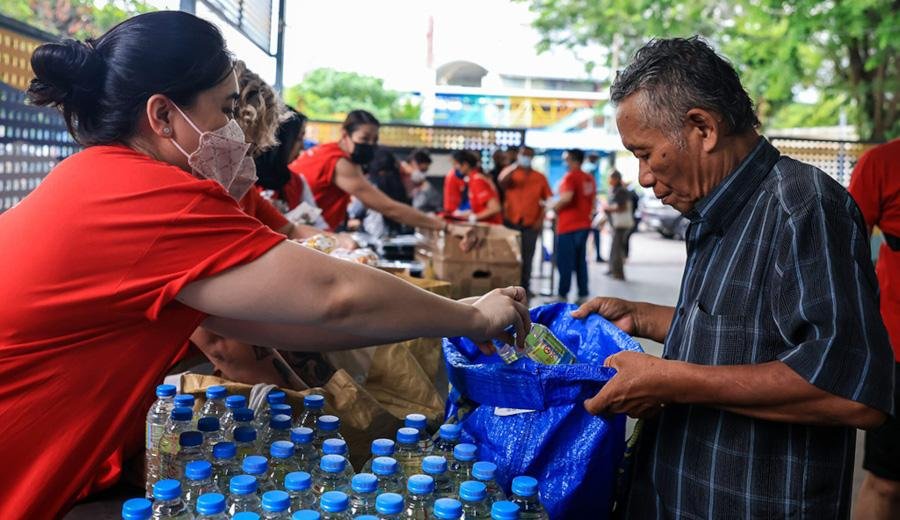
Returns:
(67,73)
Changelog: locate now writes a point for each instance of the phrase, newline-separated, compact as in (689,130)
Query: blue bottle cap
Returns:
(408,436)
(281,409)
(332,463)
(450,432)
(309,514)
(389,504)
(297,481)
(504,510)
(242,485)
(447,509)
(245,434)
(139,508)
(434,465)
(280,422)
(167,489)
(525,486)
(211,504)
(243,414)
(416,420)
(314,402)
(384,466)
(236,401)
(472,491)
(328,423)
(465,452)
(275,501)
(276,397)
(302,435)
(382,447)
(185,400)
(216,392)
(334,502)
(190,439)
(182,413)
(484,470)
(164,391)
(420,485)
(364,483)
(282,449)
(208,424)
(246,515)
(224,450)
(255,465)
(334,447)
(198,470)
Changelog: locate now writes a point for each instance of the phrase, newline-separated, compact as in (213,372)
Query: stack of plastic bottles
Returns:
(224,463)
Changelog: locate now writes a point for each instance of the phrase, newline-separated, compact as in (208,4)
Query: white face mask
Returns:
(588,167)
(418,177)
(221,155)
(524,161)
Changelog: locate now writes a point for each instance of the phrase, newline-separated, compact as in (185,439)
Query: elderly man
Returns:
(775,352)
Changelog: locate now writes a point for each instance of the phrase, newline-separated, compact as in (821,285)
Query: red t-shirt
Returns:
(576,215)
(256,206)
(875,186)
(453,190)
(317,165)
(481,192)
(93,260)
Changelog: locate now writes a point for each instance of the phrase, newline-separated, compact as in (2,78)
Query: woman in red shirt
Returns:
(334,174)
(142,240)
(469,194)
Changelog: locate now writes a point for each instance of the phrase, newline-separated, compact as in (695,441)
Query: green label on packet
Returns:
(541,346)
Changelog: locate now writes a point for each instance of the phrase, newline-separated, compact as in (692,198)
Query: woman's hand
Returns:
(345,241)
(498,310)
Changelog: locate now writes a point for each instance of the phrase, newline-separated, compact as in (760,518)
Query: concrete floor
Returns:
(653,274)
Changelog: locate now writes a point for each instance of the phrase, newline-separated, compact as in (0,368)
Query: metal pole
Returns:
(279,49)
(189,6)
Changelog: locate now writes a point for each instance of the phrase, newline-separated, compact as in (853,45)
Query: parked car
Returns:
(662,218)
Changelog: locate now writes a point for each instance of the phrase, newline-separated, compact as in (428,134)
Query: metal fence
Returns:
(834,157)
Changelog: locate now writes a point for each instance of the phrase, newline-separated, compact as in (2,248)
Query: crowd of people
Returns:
(176,225)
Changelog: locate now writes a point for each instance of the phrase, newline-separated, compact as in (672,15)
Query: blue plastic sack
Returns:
(529,418)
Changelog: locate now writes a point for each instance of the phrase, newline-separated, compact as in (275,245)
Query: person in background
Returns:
(384,173)
(621,218)
(334,173)
(577,196)
(424,196)
(468,194)
(591,166)
(143,240)
(875,186)
(527,192)
(500,159)
(635,216)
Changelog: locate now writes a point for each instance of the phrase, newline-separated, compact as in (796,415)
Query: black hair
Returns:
(576,154)
(679,74)
(358,118)
(272,165)
(102,86)
(421,156)
(466,157)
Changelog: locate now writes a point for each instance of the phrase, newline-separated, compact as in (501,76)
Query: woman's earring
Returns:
(167,130)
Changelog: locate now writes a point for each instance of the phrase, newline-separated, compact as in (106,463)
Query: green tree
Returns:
(330,94)
(845,49)
(73,18)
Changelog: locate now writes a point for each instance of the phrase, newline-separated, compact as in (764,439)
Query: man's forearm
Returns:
(770,391)
(653,321)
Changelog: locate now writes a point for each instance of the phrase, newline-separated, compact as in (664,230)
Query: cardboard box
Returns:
(497,262)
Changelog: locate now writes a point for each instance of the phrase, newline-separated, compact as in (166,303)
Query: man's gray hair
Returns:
(679,74)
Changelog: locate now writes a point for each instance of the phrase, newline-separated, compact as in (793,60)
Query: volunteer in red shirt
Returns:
(577,193)
(526,193)
(468,193)
(875,186)
(142,240)
(334,174)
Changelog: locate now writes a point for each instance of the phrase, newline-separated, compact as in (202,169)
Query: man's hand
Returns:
(640,388)
(620,312)
(499,309)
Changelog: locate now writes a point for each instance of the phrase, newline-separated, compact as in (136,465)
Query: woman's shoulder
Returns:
(121,161)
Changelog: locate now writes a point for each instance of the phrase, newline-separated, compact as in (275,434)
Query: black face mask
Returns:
(363,153)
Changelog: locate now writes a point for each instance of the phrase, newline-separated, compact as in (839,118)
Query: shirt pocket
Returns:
(715,339)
